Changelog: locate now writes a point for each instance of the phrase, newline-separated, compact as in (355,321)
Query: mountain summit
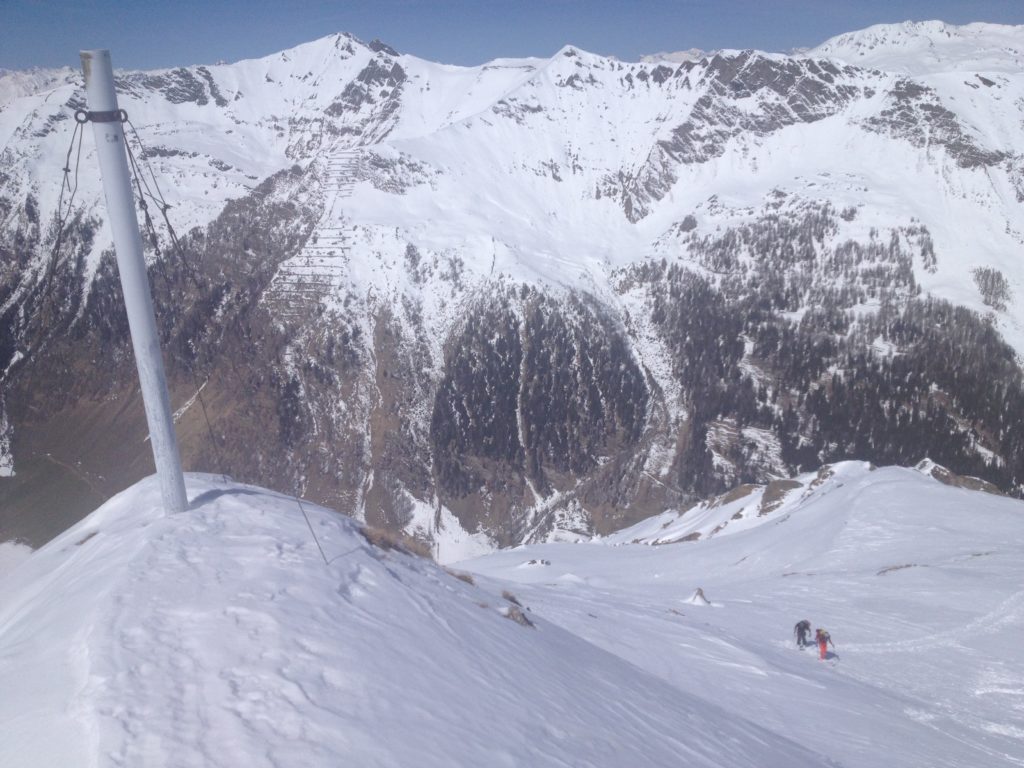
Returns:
(929,47)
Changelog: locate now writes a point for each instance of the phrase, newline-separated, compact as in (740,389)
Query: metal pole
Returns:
(110,148)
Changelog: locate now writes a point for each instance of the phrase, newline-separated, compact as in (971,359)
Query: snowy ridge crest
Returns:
(294,657)
(929,47)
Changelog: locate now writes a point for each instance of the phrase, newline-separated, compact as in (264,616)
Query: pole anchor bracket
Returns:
(110,116)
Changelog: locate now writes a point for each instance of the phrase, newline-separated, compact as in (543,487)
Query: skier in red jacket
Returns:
(824,640)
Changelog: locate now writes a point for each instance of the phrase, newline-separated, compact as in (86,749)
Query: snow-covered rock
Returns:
(929,47)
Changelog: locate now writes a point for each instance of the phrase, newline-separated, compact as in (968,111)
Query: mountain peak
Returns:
(929,47)
(377,46)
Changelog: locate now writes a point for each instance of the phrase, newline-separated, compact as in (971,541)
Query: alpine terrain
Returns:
(530,300)
(255,630)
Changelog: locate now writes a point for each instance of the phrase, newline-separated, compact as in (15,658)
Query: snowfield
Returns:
(918,583)
(11,555)
(220,637)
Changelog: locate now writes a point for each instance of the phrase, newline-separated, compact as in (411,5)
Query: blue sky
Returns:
(147,34)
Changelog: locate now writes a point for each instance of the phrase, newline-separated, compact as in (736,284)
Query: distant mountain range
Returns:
(533,298)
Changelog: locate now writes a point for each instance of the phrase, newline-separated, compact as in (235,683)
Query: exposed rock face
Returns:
(783,94)
(532,402)
(178,86)
(915,113)
(528,300)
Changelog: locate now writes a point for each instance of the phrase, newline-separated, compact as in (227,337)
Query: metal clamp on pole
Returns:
(107,118)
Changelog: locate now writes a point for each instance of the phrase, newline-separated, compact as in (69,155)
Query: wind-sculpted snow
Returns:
(220,636)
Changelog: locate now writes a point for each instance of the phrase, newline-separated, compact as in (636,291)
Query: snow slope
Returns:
(510,197)
(918,582)
(217,131)
(220,637)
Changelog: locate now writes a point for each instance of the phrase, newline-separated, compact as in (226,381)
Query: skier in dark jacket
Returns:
(802,630)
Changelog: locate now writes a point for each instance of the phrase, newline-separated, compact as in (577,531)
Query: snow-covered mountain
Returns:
(487,305)
(229,634)
(676,57)
(929,48)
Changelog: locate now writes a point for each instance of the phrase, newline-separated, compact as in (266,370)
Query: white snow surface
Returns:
(219,637)
(12,554)
(919,584)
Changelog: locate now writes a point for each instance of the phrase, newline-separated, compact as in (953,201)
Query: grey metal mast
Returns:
(110,148)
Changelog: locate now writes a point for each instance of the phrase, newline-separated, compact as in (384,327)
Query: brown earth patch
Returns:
(461,576)
(775,494)
(398,541)
(823,474)
(735,494)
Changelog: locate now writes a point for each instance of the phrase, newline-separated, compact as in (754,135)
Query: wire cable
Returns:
(143,190)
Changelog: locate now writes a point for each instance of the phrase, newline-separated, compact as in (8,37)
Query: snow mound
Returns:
(220,637)
(697,598)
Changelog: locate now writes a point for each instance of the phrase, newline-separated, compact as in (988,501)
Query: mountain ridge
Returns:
(539,296)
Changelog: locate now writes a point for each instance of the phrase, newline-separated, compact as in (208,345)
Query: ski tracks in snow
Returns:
(1009,612)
